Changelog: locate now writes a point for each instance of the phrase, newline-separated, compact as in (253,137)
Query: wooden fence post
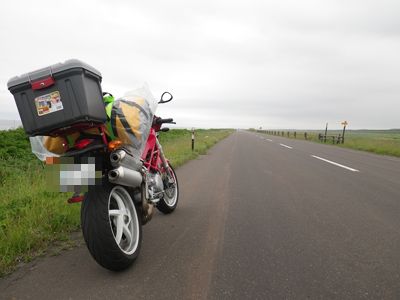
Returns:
(192,139)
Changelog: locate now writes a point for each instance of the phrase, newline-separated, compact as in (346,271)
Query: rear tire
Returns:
(108,214)
(169,202)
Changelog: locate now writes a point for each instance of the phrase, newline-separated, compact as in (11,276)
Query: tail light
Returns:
(83,143)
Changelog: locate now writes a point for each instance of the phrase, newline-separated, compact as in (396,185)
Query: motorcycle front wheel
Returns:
(111,226)
(169,201)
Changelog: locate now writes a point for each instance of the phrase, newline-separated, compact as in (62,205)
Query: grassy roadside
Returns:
(384,142)
(177,144)
(32,218)
(379,142)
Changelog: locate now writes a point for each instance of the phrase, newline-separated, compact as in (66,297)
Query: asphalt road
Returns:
(259,217)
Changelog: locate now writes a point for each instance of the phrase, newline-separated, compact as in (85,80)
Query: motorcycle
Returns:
(112,213)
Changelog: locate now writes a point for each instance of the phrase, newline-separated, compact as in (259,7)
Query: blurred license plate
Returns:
(72,176)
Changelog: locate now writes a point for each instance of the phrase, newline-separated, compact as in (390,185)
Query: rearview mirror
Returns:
(165,97)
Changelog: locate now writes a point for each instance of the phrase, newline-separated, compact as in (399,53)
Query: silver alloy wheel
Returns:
(123,220)
(170,193)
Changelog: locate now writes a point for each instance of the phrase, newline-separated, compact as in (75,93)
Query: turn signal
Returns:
(115,144)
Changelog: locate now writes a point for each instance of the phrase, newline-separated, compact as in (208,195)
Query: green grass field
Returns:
(385,142)
(32,217)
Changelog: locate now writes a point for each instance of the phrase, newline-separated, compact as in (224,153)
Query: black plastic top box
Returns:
(59,96)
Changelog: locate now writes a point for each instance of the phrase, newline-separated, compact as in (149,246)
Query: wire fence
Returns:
(307,135)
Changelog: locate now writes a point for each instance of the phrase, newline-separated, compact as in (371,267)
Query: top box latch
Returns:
(42,83)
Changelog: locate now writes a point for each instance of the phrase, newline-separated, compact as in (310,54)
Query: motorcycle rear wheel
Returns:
(111,226)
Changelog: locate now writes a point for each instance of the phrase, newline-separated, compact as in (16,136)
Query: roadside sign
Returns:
(344,123)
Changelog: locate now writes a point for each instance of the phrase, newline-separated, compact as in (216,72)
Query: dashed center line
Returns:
(336,164)
(317,157)
(283,145)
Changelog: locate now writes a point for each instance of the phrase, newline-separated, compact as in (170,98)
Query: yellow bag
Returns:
(131,121)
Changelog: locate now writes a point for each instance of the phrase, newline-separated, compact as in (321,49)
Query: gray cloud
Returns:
(276,64)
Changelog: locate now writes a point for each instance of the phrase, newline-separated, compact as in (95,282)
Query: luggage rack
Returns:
(81,126)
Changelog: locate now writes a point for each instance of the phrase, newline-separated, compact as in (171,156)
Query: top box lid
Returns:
(56,68)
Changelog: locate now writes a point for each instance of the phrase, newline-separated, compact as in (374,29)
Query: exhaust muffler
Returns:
(122,158)
(125,176)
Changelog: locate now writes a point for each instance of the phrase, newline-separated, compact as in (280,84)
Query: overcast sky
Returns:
(275,64)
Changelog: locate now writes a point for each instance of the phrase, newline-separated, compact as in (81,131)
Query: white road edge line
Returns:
(283,145)
(269,140)
(336,164)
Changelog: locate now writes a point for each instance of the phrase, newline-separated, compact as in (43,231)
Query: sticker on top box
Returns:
(49,103)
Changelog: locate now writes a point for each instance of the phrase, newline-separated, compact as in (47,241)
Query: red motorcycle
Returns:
(113,213)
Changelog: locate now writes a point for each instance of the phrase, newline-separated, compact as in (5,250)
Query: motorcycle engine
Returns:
(155,184)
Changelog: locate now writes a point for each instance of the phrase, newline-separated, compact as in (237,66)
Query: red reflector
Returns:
(83,143)
(75,199)
(42,83)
